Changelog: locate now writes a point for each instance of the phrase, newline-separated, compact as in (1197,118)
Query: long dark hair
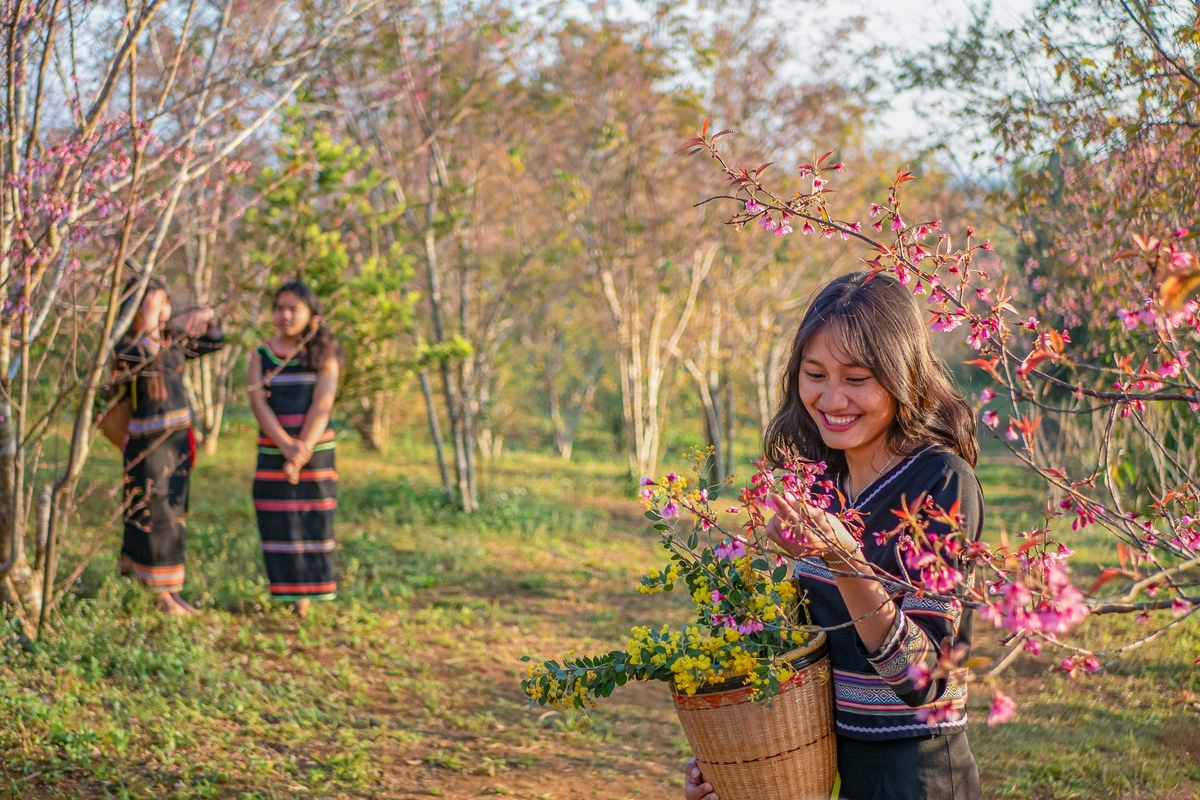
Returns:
(322,345)
(878,326)
(130,299)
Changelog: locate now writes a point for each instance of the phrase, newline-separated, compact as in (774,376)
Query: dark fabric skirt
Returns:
(920,768)
(157,469)
(295,522)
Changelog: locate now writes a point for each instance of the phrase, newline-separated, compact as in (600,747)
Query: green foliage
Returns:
(320,221)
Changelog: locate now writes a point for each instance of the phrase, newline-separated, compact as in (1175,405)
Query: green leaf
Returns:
(653,515)
(693,540)
(760,564)
(779,574)
(661,526)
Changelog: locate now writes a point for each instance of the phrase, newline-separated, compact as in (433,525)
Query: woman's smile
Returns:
(838,422)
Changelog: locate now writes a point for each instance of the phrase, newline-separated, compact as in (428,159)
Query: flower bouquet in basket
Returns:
(750,680)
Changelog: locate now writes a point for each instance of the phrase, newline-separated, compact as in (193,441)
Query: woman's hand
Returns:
(295,451)
(694,787)
(827,535)
(194,322)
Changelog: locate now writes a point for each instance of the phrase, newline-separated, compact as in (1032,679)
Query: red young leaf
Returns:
(1122,555)
(1105,576)
(704,127)
(987,365)
(722,133)
(821,160)
(759,171)
(1032,360)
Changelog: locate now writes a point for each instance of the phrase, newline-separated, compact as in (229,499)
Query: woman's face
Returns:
(156,310)
(851,410)
(290,315)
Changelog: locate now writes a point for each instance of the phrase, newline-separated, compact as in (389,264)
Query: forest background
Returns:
(489,198)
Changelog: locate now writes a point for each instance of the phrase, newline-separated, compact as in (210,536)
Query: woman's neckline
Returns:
(881,480)
(271,347)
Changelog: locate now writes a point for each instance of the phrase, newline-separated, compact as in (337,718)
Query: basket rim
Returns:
(801,658)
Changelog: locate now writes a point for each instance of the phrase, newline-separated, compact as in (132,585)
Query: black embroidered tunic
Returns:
(158,456)
(874,695)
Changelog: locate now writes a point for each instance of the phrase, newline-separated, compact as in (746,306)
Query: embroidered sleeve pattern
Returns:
(194,347)
(906,646)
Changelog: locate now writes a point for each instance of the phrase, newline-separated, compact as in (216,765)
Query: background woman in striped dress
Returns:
(293,380)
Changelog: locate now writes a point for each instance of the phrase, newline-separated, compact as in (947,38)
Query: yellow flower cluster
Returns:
(659,580)
(700,456)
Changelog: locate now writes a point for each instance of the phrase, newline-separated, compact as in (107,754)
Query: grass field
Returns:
(407,685)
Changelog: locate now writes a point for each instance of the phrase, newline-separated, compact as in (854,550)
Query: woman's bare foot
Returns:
(187,607)
(301,607)
(166,605)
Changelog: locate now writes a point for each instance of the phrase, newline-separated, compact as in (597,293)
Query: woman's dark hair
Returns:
(322,345)
(876,325)
(129,298)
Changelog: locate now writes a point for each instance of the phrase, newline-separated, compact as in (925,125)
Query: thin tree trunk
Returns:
(435,433)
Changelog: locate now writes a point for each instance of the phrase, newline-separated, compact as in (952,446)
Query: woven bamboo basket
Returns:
(783,749)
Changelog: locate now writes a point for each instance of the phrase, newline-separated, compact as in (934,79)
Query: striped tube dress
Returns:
(295,521)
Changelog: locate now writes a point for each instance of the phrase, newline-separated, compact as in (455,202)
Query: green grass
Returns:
(407,685)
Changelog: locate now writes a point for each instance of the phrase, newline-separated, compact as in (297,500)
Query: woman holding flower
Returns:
(864,393)
(159,448)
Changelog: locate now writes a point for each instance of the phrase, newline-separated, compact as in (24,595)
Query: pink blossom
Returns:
(646,481)
(672,477)
(646,494)
(987,395)
(897,223)
(1170,369)
(1002,710)
(750,626)
(1179,606)
(1033,646)
(671,509)
(734,510)
(766,222)
(1011,434)
(808,228)
(819,184)
(734,548)
(752,207)
(991,419)
(941,578)
(717,596)
(919,675)
(875,209)
(783,229)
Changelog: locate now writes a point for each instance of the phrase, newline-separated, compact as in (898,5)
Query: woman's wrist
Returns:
(845,560)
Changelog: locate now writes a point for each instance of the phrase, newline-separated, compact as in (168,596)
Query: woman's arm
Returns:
(870,606)
(267,420)
(202,333)
(316,421)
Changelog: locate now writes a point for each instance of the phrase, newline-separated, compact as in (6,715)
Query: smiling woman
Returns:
(864,393)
